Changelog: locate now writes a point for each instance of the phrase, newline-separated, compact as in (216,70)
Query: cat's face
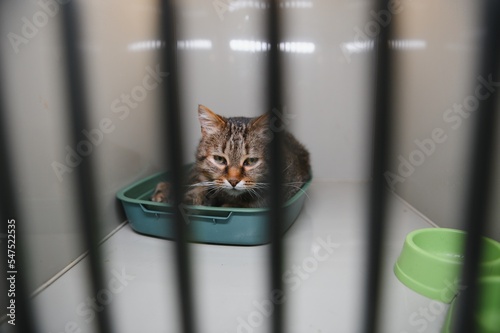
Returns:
(232,153)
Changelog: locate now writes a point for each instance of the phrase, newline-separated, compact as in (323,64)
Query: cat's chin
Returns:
(234,192)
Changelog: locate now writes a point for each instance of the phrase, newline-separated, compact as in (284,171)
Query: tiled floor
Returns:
(324,277)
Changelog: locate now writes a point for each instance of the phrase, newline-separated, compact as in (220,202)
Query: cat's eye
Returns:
(250,161)
(220,159)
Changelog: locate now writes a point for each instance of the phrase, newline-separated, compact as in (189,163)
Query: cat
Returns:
(232,163)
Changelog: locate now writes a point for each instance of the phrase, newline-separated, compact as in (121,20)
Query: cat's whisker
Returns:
(260,185)
(254,193)
(299,188)
(207,183)
(214,190)
(289,165)
(251,192)
(296,185)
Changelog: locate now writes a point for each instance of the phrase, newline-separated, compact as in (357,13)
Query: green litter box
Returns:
(216,225)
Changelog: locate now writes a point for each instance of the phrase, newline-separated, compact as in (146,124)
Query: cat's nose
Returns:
(233,182)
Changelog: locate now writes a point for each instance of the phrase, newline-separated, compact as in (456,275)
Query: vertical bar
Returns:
(481,171)
(86,193)
(274,97)
(173,139)
(9,209)
(377,209)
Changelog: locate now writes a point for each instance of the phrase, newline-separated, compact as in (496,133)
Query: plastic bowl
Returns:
(431,261)
(487,318)
(487,314)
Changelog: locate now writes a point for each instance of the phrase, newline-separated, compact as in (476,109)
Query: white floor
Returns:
(324,277)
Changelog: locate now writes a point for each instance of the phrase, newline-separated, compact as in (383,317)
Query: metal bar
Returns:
(481,172)
(174,158)
(9,210)
(275,101)
(377,209)
(86,193)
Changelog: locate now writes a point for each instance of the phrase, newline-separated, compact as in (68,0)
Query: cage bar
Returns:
(478,198)
(9,209)
(85,179)
(173,139)
(481,172)
(382,139)
(275,102)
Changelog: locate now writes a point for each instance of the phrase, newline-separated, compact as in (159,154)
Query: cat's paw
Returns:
(161,193)
(196,197)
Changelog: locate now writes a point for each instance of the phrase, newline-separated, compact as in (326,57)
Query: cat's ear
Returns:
(260,125)
(210,122)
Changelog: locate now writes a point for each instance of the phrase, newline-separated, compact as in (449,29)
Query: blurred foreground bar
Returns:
(78,122)
(382,140)
(173,158)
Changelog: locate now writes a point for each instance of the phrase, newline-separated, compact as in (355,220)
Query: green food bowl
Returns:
(487,313)
(431,261)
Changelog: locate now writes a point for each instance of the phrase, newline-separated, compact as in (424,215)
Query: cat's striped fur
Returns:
(231,168)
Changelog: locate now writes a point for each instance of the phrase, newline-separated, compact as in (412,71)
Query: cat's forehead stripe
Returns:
(223,147)
(237,137)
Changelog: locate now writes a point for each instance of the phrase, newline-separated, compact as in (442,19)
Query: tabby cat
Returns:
(232,163)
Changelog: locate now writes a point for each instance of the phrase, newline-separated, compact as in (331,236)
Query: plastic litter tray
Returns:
(216,225)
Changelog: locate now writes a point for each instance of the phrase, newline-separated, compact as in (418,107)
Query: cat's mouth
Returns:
(234,192)
(234,188)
